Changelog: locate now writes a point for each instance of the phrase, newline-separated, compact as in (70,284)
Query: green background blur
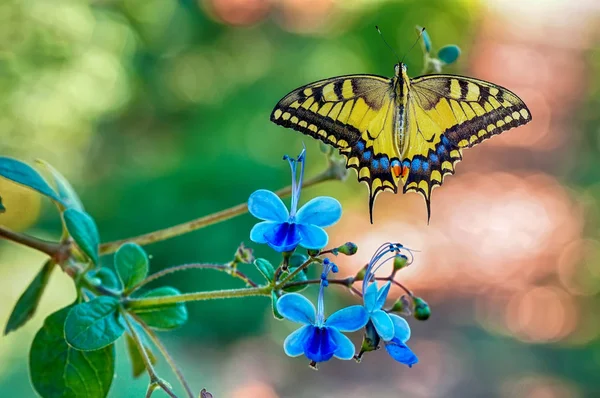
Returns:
(158,112)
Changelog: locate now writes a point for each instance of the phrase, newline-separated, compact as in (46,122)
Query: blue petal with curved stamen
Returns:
(319,346)
(370,297)
(265,205)
(312,237)
(382,295)
(348,319)
(294,343)
(344,347)
(401,328)
(383,324)
(297,308)
(283,237)
(401,353)
(257,234)
(322,211)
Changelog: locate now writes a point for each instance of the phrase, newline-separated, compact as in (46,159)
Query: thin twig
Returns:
(163,350)
(301,268)
(221,267)
(50,248)
(331,173)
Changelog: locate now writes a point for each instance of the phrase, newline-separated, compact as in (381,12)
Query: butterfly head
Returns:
(400,69)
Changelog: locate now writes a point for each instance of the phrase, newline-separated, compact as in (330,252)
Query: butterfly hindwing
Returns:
(446,114)
(354,114)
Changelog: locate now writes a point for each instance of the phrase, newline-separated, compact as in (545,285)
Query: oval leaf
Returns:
(94,325)
(274,299)
(29,300)
(265,268)
(137,362)
(131,263)
(65,191)
(164,317)
(106,277)
(24,174)
(58,370)
(449,54)
(84,232)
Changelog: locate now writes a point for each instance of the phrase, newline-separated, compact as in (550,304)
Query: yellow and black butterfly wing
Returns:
(356,115)
(446,114)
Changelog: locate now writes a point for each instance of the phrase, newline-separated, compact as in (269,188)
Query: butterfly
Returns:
(401,131)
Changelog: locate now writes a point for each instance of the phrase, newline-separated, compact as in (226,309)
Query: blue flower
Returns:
(319,339)
(392,329)
(283,230)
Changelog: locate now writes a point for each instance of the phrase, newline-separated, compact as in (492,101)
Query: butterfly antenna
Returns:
(414,44)
(386,43)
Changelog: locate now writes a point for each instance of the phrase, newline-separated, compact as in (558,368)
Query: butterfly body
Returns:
(401,131)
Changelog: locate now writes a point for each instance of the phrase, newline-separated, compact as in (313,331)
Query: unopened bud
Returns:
(348,248)
(422,312)
(313,252)
(400,261)
(243,255)
(402,306)
(360,275)
(370,341)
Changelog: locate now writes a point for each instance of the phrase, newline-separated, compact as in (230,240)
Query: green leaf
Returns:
(106,277)
(59,371)
(131,263)
(84,232)
(265,268)
(29,300)
(94,324)
(274,299)
(65,190)
(295,261)
(449,54)
(24,174)
(2,208)
(163,317)
(137,362)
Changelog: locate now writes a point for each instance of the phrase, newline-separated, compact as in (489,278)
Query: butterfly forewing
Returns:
(447,113)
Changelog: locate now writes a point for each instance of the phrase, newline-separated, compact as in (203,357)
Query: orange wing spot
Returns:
(397,169)
(405,171)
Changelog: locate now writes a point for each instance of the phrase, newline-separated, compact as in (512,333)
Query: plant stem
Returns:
(147,363)
(50,248)
(345,282)
(331,173)
(292,275)
(163,350)
(221,267)
(198,296)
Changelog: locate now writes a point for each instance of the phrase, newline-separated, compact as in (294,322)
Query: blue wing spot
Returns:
(367,155)
(406,163)
(425,166)
(441,150)
(375,164)
(445,141)
(385,163)
(434,158)
(416,164)
(360,146)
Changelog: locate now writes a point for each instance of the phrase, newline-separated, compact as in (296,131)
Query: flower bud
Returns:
(370,341)
(425,37)
(360,275)
(422,312)
(400,261)
(348,248)
(402,306)
(313,252)
(243,255)
(449,54)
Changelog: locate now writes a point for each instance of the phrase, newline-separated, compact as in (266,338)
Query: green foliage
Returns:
(58,370)
(131,263)
(449,54)
(29,300)
(84,232)
(137,362)
(65,191)
(2,208)
(266,269)
(94,324)
(106,277)
(163,317)
(274,299)
(296,260)
(26,175)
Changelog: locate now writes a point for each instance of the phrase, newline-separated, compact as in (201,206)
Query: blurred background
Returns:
(158,112)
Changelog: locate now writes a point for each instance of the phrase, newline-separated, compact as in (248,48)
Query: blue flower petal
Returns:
(319,346)
(382,295)
(312,237)
(297,308)
(383,324)
(401,328)
(344,347)
(265,205)
(401,353)
(348,319)
(283,237)
(321,211)
(294,343)
(257,234)
(370,297)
